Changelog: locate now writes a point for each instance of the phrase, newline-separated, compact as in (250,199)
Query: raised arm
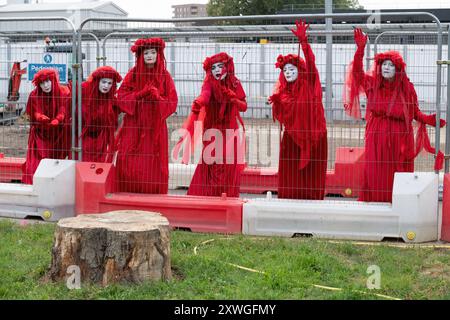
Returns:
(301,33)
(360,78)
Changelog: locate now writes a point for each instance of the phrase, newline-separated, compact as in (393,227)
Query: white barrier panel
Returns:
(180,175)
(51,197)
(412,216)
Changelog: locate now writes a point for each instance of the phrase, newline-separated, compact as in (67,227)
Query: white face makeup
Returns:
(290,72)
(46,86)
(387,69)
(150,56)
(105,85)
(217,69)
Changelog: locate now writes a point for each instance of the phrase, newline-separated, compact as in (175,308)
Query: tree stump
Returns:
(119,246)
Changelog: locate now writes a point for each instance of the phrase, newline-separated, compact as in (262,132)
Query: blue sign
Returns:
(48,58)
(61,69)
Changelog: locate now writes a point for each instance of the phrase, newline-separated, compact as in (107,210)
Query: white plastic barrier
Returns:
(412,215)
(51,197)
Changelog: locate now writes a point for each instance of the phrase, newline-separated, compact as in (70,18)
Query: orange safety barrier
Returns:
(95,193)
(10,169)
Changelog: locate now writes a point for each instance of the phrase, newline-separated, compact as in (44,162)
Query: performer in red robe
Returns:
(391,106)
(100,114)
(297,105)
(148,97)
(47,108)
(217,107)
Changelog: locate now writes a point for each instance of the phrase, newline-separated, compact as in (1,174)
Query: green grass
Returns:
(290,269)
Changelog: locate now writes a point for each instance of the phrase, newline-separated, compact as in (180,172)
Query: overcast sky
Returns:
(162,8)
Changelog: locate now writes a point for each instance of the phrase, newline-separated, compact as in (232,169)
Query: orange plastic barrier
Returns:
(95,188)
(10,169)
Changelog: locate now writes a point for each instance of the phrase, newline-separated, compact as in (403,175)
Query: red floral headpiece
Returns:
(142,44)
(106,72)
(292,59)
(394,56)
(44,75)
(220,57)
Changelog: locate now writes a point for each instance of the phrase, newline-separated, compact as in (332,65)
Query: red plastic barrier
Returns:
(259,180)
(95,194)
(445,230)
(10,169)
(346,179)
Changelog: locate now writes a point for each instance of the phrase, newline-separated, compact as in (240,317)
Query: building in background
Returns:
(192,10)
(75,11)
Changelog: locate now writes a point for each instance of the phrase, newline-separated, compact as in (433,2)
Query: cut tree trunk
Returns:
(119,246)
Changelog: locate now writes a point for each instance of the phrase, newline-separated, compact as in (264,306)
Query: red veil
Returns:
(373,79)
(144,75)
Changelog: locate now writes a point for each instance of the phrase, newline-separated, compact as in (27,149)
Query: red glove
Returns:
(275,98)
(230,94)
(41,117)
(300,33)
(360,38)
(54,123)
(153,92)
(431,120)
(143,93)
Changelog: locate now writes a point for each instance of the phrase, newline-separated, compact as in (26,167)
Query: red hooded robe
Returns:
(100,114)
(148,97)
(389,137)
(218,107)
(46,140)
(298,107)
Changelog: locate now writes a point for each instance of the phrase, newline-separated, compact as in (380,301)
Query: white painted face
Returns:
(150,56)
(105,85)
(290,72)
(388,69)
(46,86)
(217,69)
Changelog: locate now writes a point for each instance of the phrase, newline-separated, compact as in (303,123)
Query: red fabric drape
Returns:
(46,140)
(217,108)
(391,106)
(100,115)
(142,141)
(298,107)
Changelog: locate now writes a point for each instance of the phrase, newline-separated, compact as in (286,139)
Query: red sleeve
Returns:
(240,102)
(310,59)
(356,82)
(167,103)
(127,94)
(32,106)
(64,105)
(203,99)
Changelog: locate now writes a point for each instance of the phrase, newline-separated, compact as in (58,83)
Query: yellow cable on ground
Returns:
(400,245)
(314,285)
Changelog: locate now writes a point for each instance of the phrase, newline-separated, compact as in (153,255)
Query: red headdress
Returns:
(143,74)
(44,75)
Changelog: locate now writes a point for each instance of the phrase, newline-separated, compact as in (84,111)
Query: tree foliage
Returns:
(264,7)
